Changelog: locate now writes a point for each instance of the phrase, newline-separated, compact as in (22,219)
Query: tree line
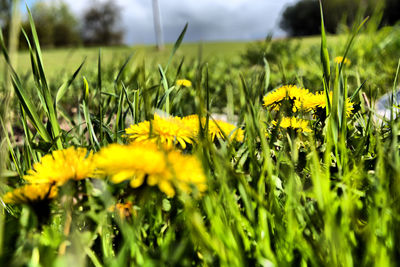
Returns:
(303,17)
(58,26)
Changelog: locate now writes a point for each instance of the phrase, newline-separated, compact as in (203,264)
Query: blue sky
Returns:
(209,20)
(30,2)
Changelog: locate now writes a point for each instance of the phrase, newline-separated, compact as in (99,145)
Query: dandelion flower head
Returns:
(349,107)
(31,193)
(193,123)
(294,123)
(319,100)
(292,92)
(184,83)
(138,162)
(165,130)
(214,128)
(218,128)
(314,101)
(345,61)
(61,166)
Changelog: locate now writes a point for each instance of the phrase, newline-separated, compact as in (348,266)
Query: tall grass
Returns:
(7,94)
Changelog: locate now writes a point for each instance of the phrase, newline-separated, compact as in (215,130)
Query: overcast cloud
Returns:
(209,20)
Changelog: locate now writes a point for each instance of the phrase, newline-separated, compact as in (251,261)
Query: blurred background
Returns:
(66,23)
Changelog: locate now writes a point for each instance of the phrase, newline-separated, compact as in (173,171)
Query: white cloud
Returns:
(208,19)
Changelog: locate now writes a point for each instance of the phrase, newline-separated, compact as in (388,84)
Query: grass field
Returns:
(69,59)
(126,162)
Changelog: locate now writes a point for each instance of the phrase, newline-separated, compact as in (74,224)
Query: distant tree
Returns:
(341,11)
(303,18)
(44,22)
(101,24)
(5,15)
(55,24)
(66,27)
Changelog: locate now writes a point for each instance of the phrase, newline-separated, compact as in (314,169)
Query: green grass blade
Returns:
(10,149)
(100,89)
(394,94)
(176,46)
(51,110)
(325,54)
(349,43)
(64,87)
(29,154)
(121,71)
(167,90)
(30,109)
(35,36)
(357,90)
(130,105)
(23,96)
(136,104)
(89,125)
(86,114)
(119,123)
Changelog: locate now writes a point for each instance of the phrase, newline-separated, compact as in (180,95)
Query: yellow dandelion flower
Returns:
(192,122)
(318,100)
(30,193)
(214,128)
(169,131)
(186,171)
(349,107)
(339,60)
(292,92)
(183,82)
(61,166)
(140,132)
(294,123)
(218,127)
(130,162)
(139,161)
(314,101)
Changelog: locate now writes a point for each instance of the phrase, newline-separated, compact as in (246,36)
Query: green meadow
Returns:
(68,59)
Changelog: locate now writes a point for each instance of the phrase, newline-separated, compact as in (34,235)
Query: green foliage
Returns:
(296,60)
(5,13)
(302,17)
(55,24)
(100,24)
